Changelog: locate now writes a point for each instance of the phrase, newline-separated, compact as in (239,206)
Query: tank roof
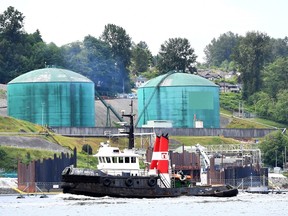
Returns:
(50,75)
(179,79)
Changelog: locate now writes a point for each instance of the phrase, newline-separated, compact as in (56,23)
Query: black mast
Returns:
(131,126)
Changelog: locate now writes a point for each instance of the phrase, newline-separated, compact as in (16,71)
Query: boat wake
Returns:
(86,200)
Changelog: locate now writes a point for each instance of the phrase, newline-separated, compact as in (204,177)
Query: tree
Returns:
(120,43)
(275,76)
(221,49)
(279,48)
(75,58)
(11,24)
(273,147)
(101,63)
(263,104)
(11,30)
(280,113)
(93,58)
(141,57)
(53,55)
(250,56)
(176,54)
(19,52)
(87,149)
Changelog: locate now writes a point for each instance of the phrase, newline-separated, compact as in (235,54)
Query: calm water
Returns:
(64,204)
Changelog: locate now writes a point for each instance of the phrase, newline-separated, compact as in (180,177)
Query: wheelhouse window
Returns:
(133,159)
(127,160)
(103,160)
(120,159)
(114,159)
(108,159)
(100,159)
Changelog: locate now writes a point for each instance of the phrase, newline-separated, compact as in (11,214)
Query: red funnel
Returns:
(154,160)
(163,160)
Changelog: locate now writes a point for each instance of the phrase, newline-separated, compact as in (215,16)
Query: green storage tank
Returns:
(53,97)
(183,99)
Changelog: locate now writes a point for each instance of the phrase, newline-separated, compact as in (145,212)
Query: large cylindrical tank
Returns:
(53,97)
(181,98)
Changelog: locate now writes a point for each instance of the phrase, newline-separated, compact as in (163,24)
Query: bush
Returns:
(87,149)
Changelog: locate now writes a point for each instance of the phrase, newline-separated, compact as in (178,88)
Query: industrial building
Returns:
(186,100)
(52,97)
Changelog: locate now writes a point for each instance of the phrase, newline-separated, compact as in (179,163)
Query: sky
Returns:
(152,21)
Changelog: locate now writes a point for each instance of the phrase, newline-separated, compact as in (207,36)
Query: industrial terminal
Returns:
(178,104)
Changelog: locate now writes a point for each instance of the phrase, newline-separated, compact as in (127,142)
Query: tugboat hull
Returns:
(98,184)
(132,187)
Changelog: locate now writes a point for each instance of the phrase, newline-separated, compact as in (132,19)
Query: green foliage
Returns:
(9,156)
(106,61)
(251,55)
(273,147)
(87,149)
(9,124)
(280,112)
(275,76)
(151,74)
(245,123)
(228,66)
(176,54)
(262,103)
(120,42)
(230,101)
(7,162)
(21,52)
(93,58)
(270,123)
(279,48)
(86,161)
(11,24)
(219,51)
(271,108)
(141,58)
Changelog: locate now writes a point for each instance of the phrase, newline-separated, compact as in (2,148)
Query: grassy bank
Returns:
(13,127)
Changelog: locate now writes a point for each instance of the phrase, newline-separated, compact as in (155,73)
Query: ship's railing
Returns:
(252,181)
(89,172)
(92,172)
(127,172)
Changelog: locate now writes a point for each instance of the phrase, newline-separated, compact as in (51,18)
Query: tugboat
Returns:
(118,174)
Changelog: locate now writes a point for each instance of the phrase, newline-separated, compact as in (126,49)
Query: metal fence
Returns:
(242,184)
